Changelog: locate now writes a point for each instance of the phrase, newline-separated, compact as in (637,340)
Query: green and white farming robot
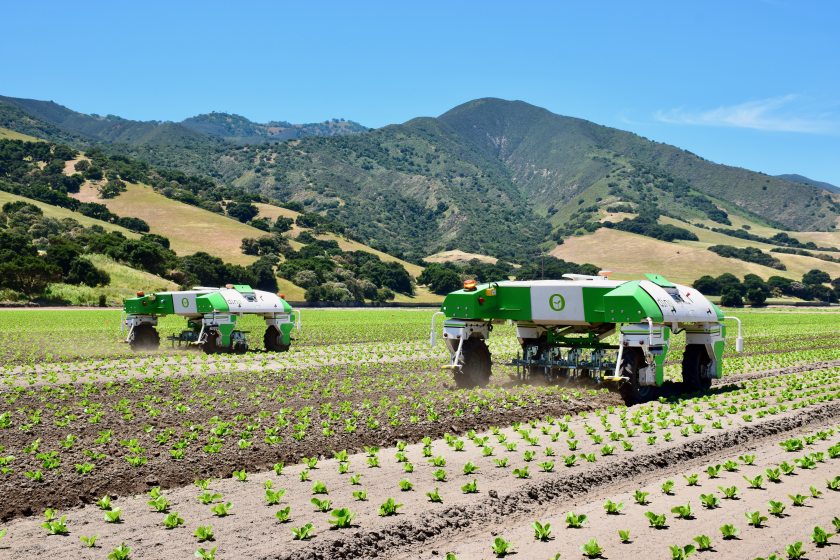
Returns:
(562,326)
(211,318)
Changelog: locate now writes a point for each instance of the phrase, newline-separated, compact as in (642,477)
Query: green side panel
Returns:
(286,331)
(286,307)
(213,302)
(225,331)
(629,303)
(508,302)
(659,363)
(593,304)
(660,280)
(243,288)
(151,304)
(717,310)
(165,305)
(718,347)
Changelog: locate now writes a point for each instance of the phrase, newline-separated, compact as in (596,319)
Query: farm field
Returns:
(358,432)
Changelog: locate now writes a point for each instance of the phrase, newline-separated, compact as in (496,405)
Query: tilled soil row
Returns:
(735,379)
(500,509)
(115,477)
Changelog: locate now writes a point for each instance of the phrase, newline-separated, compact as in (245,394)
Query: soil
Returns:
(467,523)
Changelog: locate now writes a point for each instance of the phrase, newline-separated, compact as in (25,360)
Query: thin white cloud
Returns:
(777,114)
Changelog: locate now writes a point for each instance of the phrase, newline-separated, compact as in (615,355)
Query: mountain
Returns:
(238,129)
(500,178)
(58,123)
(795,178)
(555,157)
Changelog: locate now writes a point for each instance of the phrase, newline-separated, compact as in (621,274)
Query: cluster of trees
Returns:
(755,291)
(644,184)
(36,170)
(35,251)
(780,238)
(645,224)
(748,254)
(442,278)
(804,253)
(329,274)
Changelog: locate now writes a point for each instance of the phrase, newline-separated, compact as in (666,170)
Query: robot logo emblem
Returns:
(557,302)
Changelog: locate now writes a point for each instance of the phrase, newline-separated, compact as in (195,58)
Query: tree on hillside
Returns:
(707,285)
(242,211)
(28,275)
(731,297)
(815,277)
(756,297)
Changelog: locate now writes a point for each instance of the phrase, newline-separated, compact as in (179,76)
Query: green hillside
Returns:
(490,177)
(555,158)
(240,130)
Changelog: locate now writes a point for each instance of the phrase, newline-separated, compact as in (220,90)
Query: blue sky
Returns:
(754,83)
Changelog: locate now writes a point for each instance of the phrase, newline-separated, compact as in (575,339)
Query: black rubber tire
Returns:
(475,364)
(144,338)
(632,360)
(273,341)
(211,343)
(695,360)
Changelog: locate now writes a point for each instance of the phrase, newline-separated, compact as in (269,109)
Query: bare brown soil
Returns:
(504,504)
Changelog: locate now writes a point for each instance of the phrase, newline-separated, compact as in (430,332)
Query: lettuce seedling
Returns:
(755,518)
(682,512)
(273,497)
(303,533)
(704,542)
(389,507)
(729,492)
(797,499)
(122,552)
(656,520)
(729,531)
(341,518)
(575,521)
(434,496)
(204,554)
(613,508)
(90,541)
(501,547)
(173,520)
(113,516)
(681,552)
(591,549)
(321,505)
(522,473)
(820,537)
(282,515)
(624,535)
(56,526)
(204,533)
(794,551)
(756,482)
(542,532)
